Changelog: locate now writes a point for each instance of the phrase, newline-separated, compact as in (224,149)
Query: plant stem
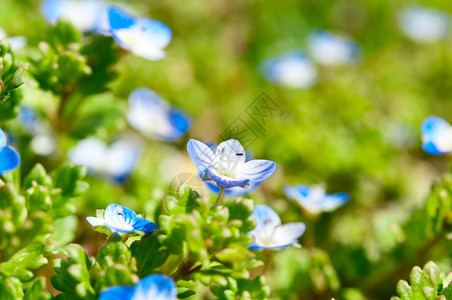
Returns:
(220,194)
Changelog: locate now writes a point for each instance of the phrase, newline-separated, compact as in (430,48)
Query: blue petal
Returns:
(226,182)
(9,159)
(335,200)
(158,32)
(430,148)
(2,139)
(265,215)
(119,18)
(297,191)
(156,287)
(117,293)
(235,191)
(180,121)
(144,225)
(257,170)
(115,214)
(433,125)
(432,129)
(201,155)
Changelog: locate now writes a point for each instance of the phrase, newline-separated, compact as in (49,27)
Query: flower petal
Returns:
(436,136)
(95,221)
(334,201)
(117,293)
(283,236)
(256,169)
(155,287)
(181,123)
(201,155)
(144,225)
(226,182)
(119,18)
(292,70)
(265,215)
(9,159)
(3,139)
(297,191)
(120,217)
(234,191)
(229,155)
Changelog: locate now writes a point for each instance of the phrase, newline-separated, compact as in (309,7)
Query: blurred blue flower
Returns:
(43,141)
(227,165)
(424,25)
(115,162)
(122,220)
(314,199)
(86,15)
(292,69)
(141,36)
(9,158)
(152,116)
(16,42)
(332,49)
(270,234)
(436,136)
(155,287)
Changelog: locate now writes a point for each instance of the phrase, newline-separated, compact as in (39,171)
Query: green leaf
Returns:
(29,258)
(36,291)
(149,253)
(10,287)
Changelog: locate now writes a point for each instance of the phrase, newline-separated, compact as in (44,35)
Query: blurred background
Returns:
(352,124)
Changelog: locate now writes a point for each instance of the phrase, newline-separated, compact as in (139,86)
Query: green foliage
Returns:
(426,283)
(11,77)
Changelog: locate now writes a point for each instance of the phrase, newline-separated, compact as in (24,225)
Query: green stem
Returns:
(220,194)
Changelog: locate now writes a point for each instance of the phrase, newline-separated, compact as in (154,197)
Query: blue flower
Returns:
(292,69)
(152,116)
(314,198)
(43,141)
(424,25)
(227,165)
(141,36)
(331,49)
(115,162)
(270,234)
(9,159)
(436,136)
(155,287)
(235,191)
(122,220)
(86,15)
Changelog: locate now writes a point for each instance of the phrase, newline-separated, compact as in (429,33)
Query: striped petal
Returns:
(256,170)
(201,155)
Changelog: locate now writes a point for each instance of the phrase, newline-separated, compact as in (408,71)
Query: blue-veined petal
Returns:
(119,217)
(229,155)
(201,154)
(235,191)
(257,169)
(424,25)
(226,182)
(9,159)
(117,293)
(144,225)
(331,49)
(155,287)
(292,70)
